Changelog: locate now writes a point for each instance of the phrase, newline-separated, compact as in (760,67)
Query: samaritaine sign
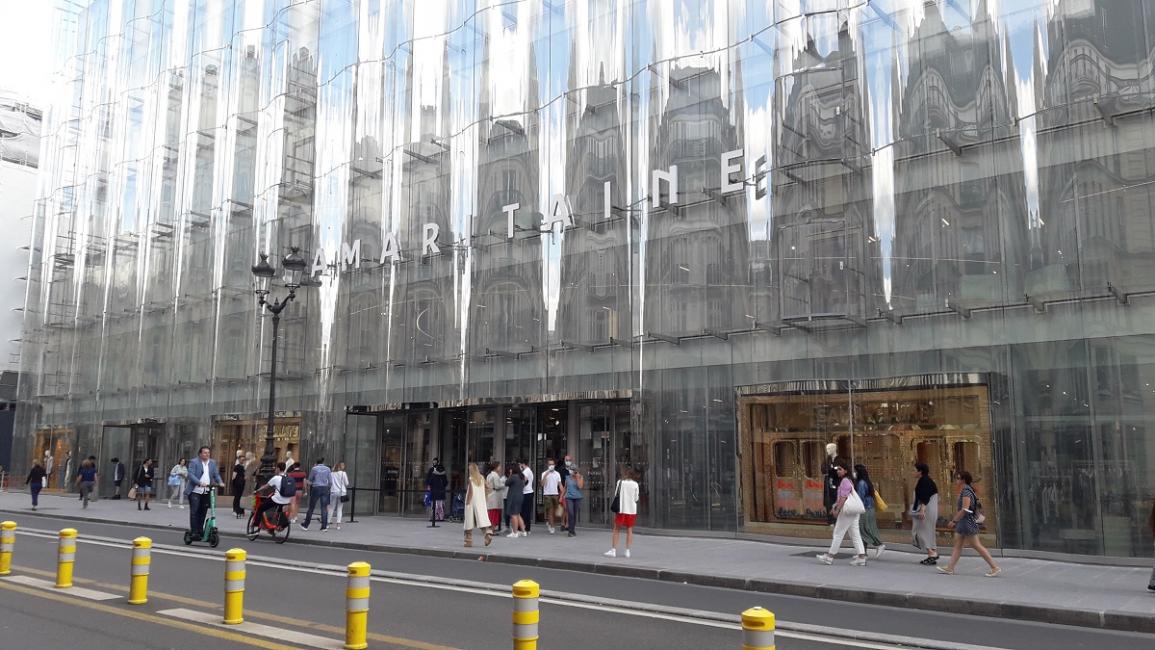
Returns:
(560,213)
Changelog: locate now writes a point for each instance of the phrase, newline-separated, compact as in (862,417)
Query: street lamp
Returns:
(293,267)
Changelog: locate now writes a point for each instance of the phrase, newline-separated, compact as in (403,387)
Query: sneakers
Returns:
(303,526)
(524,533)
(338,526)
(550,529)
(825,558)
(325,529)
(858,561)
(945,571)
(567,535)
(613,552)
(627,553)
(994,573)
(513,534)
(879,551)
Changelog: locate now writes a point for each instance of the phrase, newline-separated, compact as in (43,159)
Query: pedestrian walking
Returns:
(143,483)
(573,500)
(202,475)
(564,470)
(924,514)
(515,496)
(848,508)
(37,477)
(868,521)
(436,482)
(85,479)
(551,494)
(626,495)
(527,502)
(967,522)
(117,476)
(338,493)
(476,506)
(238,485)
(176,480)
(495,495)
(319,484)
(298,475)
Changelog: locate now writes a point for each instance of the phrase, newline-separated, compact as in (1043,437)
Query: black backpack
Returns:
(288,487)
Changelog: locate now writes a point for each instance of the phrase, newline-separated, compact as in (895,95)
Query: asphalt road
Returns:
(293,597)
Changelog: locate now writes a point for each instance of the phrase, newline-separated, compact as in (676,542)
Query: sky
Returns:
(25,48)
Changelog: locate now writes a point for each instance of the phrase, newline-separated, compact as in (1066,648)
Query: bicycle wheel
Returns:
(281,534)
(253,528)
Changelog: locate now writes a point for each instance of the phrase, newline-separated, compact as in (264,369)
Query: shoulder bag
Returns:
(853,504)
(616,504)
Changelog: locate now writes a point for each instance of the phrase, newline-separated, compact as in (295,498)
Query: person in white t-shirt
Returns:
(338,490)
(628,493)
(550,485)
(271,493)
(527,504)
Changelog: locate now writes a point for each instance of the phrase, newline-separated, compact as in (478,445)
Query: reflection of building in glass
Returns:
(940,248)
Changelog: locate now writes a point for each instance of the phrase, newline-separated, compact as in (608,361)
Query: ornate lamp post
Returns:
(293,266)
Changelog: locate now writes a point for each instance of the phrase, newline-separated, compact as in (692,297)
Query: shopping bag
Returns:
(879,504)
(131,494)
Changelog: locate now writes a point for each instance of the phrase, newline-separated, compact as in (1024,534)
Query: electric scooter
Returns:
(209,532)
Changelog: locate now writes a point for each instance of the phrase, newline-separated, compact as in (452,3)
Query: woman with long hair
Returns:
(476,512)
(867,521)
(338,492)
(847,510)
(143,480)
(966,526)
(627,493)
(514,483)
(176,478)
(238,485)
(924,514)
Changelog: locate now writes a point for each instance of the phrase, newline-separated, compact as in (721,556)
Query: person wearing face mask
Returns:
(551,491)
(564,471)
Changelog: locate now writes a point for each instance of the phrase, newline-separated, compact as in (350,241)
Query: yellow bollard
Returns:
(65,558)
(357,606)
(235,586)
(757,629)
(141,559)
(525,614)
(7,543)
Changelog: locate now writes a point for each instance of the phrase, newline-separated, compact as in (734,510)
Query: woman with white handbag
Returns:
(847,510)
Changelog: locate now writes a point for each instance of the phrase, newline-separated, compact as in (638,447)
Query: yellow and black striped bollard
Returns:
(525,614)
(141,561)
(235,586)
(7,545)
(757,629)
(357,606)
(65,558)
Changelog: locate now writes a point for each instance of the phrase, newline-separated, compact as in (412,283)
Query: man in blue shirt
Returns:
(319,480)
(202,475)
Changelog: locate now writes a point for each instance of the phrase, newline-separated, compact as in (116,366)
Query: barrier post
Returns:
(757,629)
(65,558)
(235,586)
(357,606)
(525,614)
(7,543)
(141,560)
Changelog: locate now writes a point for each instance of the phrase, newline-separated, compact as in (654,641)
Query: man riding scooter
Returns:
(202,474)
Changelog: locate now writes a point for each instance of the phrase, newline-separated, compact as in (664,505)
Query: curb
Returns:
(1089,618)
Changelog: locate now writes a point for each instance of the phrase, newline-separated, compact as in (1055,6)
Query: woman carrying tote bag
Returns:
(847,509)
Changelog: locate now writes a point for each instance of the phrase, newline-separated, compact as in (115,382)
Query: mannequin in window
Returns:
(830,484)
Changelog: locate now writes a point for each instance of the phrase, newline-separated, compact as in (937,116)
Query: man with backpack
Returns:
(279,490)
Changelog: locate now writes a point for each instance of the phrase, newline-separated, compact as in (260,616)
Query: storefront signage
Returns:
(560,213)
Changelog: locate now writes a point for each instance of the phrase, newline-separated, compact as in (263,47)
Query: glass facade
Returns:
(695,237)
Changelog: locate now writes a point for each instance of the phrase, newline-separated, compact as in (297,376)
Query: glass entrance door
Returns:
(391,432)
(605,447)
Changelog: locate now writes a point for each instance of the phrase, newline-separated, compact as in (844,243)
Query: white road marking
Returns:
(859,639)
(79,592)
(256,629)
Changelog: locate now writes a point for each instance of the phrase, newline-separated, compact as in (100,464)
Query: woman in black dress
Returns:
(238,486)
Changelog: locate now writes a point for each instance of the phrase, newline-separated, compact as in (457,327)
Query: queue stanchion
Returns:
(65,558)
(7,545)
(141,567)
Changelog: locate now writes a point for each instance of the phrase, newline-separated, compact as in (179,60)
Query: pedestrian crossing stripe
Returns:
(292,637)
(79,592)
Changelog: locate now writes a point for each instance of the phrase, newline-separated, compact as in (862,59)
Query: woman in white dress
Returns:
(476,513)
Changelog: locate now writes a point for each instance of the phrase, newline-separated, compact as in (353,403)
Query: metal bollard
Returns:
(65,558)
(525,614)
(357,606)
(757,629)
(141,559)
(7,543)
(235,586)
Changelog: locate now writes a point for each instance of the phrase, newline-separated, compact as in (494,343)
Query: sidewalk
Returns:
(1110,597)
